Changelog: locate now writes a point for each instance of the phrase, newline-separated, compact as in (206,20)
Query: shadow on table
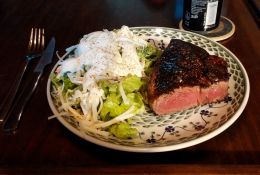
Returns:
(254,8)
(191,155)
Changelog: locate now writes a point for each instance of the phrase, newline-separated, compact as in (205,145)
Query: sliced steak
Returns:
(186,76)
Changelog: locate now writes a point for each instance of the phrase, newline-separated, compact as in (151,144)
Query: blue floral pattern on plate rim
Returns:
(182,129)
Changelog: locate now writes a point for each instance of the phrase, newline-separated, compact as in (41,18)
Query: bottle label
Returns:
(197,7)
(211,15)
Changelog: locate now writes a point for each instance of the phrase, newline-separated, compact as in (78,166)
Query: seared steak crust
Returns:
(183,64)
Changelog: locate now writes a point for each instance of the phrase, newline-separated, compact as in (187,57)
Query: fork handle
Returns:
(14,115)
(9,98)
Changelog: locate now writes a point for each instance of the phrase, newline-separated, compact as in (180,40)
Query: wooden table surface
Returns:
(46,146)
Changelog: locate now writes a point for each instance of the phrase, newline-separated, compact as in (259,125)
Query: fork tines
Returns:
(36,39)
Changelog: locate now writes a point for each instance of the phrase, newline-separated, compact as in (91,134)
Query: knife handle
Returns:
(15,113)
(9,98)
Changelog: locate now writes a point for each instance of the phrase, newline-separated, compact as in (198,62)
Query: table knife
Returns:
(15,113)
(7,101)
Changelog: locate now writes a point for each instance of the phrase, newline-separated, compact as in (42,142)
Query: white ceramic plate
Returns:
(182,129)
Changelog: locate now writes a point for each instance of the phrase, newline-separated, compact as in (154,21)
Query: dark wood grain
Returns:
(42,146)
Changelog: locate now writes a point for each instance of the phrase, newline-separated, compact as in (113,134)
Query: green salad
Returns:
(101,100)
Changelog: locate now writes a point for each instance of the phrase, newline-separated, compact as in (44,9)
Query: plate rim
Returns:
(177,146)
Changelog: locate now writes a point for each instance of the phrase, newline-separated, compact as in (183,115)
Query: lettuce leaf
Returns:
(131,84)
(149,54)
(123,131)
(55,81)
(62,80)
(113,105)
(67,83)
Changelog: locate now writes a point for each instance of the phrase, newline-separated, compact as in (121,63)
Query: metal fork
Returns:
(35,46)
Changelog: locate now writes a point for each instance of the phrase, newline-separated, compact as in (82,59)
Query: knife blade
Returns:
(46,56)
(15,113)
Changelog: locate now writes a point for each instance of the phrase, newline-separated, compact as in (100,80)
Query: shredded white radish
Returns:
(52,117)
(100,104)
(67,107)
(58,115)
(122,117)
(84,127)
(122,93)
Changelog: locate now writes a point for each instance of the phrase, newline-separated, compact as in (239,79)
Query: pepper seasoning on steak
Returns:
(186,76)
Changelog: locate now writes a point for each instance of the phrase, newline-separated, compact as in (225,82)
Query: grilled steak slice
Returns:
(186,76)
